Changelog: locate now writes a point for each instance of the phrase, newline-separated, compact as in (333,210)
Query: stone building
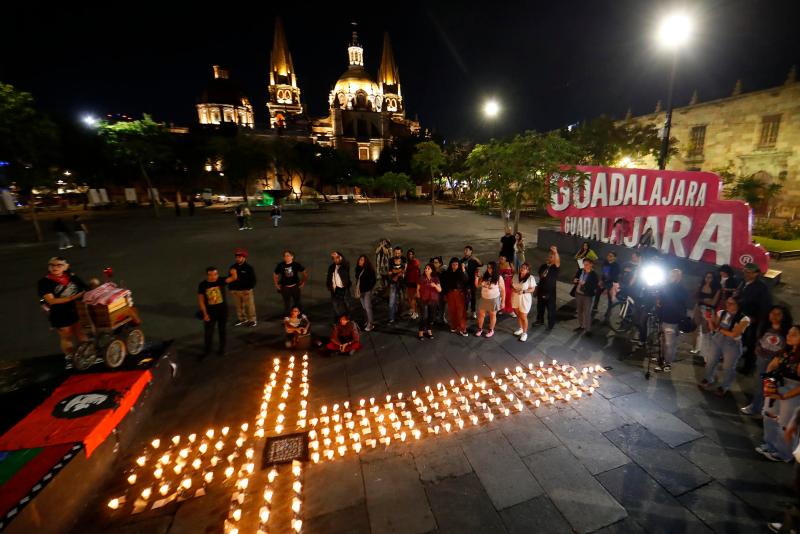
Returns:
(224,103)
(755,133)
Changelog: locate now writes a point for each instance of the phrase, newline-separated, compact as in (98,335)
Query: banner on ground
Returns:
(683,209)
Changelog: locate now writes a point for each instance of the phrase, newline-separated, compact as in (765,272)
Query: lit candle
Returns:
(186,483)
(263,514)
(176,440)
(132,479)
(315,457)
(297,525)
(141,461)
(228,471)
(268,495)
(146,493)
(296,505)
(158,472)
(196,463)
(297,468)
(297,486)
(156,443)
(272,475)
(164,489)
(113,503)
(237,514)
(209,477)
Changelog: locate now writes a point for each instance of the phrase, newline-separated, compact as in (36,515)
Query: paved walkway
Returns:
(637,456)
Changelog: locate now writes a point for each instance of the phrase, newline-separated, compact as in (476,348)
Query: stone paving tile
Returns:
(527,434)
(500,469)
(611,387)
(153,525)
(648,503)
(722,510)
(344,474)
(726,427)
(743,474)
(536,515)
(461,505)
(600,413)
(626,526)
(201,514)
(353,520)
(440,458)
(396,500)
(586,505)
(664,425)
(584,441)
(666,465)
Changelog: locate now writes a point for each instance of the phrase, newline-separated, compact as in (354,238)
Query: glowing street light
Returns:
(90,120)
(491,108)
(673,33)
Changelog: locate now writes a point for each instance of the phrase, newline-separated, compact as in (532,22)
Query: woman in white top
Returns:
(522,286)
(725,345)
(491,287)
(296,326)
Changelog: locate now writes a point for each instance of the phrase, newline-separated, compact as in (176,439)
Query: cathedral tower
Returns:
(284,95)
(389,80)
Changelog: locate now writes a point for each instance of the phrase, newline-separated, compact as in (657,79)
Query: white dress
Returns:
(522,301)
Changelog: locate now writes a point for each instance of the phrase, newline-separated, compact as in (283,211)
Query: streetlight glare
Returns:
(90,120)
(491,108)
(675,30)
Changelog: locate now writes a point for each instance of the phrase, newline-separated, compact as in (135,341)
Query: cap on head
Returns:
(752,267)
(240,252)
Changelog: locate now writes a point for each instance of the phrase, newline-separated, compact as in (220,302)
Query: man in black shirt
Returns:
(609,275)
(289,277)
(214,309)
(546,289)
(242,289)
(338,283)
(470,264)
(397,272)
(671,305)
(508,241)
(755,302)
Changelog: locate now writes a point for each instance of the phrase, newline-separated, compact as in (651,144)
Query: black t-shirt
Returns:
(548,276)
(213,294)
(65,314)
(289,273)
(507,248)
(397,268)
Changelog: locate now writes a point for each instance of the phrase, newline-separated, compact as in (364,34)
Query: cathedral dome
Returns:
(355,89)
(223,90)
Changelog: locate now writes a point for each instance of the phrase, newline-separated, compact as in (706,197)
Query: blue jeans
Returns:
(669,333)
(366,303)
(773,427)
(722,349)
(758,392)
(394,300)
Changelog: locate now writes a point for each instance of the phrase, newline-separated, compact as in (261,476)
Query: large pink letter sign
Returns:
(683,209)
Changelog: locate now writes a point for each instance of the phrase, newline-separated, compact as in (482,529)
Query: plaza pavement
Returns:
(639,455)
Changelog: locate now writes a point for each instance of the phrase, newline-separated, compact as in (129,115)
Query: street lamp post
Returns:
(673,33)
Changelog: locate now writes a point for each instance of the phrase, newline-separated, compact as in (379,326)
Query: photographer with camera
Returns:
(671,305)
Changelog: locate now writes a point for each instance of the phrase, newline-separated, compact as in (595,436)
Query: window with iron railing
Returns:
(697,140)
(770,124)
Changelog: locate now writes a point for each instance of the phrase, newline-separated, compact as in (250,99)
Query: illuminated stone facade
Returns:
(284,94)
(756,133)
(223,102)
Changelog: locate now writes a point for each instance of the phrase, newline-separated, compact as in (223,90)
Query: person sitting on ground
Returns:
(724,345)
(782,388)
(297,327)
(771,345)
(344,337)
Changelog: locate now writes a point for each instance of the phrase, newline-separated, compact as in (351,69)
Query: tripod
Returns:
(653,342)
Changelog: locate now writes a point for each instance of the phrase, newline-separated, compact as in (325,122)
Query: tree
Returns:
(519,170)
(366,184)
(28,142)
(605,142)
(333,167)
(244,157)
(139,144)
(395,183)
(430,159)
(297,160)
(756,191)
(453,172)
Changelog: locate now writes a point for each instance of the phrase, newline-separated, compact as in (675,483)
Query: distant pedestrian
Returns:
(519,251)
(190,204)
(80,230)
(508,244)
(397,272)
(338,283)
(585,281)
(491,287)
(470,265)
(345,338)
(289,278)
(248,217)
(454,286)
(523,287)
(383,252)
(428,290)
(365,279)
(242,289)
(546,290)
(62,231)
(276,214)
(412,278)
(214,308)
(238,211)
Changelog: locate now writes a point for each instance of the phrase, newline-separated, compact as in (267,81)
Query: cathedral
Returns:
(365,114)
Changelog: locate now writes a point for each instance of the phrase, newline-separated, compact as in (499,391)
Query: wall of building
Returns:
(733,138)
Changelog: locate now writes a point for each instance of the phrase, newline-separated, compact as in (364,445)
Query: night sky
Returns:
(549,63)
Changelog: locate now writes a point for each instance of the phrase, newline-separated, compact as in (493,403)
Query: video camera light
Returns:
(653,275)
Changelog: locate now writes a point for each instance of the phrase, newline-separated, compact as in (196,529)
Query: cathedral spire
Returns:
(388,74)
(355,51)
(281,67)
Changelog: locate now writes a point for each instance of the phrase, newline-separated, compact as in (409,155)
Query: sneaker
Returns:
(518,332)
(774,527)
(252,324)
(514,315)
(351,352)
(474,315)
(240,323)
(463,334)
(769,455)
(663,368)
(490,333)
(391,321)
(415,316)
(478,333)
(524,336)
(453,330)
(694,352)
(369,328)
(747,410)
